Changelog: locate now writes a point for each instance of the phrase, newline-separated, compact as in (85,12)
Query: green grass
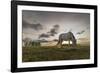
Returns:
(32,54)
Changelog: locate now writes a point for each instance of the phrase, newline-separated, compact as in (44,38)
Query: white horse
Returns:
(67,37)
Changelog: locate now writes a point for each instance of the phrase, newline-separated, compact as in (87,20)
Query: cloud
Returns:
(54,30)
(56,26)
(55,40)
(51,32)
(37,26)
(81,32)
(43,35)
(88,28)
(83,39)
(26,39)
(43,40)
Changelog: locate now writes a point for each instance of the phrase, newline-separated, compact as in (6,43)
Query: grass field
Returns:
(32,54)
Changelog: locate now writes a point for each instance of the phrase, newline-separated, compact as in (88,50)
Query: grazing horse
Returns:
(67,37)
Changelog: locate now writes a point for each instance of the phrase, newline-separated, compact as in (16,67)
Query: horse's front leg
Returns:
(60,44)
(69,42)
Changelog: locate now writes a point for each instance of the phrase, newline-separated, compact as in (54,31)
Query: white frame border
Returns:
(53,63)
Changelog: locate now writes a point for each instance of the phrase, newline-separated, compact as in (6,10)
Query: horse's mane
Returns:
(72,35)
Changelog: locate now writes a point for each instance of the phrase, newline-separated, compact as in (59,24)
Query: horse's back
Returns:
(64,36)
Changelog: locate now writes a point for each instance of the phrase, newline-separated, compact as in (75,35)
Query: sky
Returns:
(49,25)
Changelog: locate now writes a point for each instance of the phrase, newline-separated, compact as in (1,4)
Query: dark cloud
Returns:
(52,32)
(55,40)
(37,26)
(56,26)
(43,40)
(26,39)
(43,35)
(81,32)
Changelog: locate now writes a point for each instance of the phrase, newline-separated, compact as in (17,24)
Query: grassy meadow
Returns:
(53,53)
